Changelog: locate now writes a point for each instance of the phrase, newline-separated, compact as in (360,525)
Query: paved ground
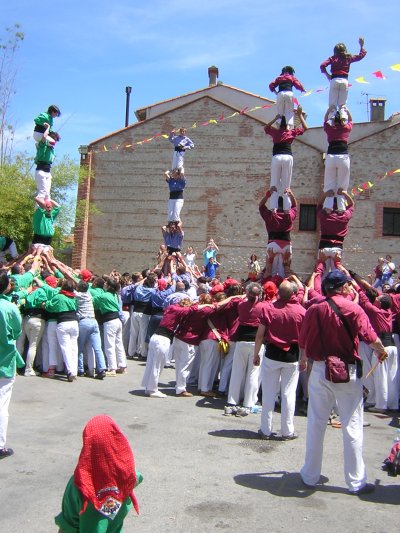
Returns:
(203,472)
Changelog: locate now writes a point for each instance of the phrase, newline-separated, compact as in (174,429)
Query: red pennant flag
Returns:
(365,186)
(221,117)
(243,110)
(379,74)
(265,106)
(296,101)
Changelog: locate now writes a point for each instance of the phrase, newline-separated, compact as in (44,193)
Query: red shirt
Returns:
(171,317)
(335,223)
(283,321)
(278,221)
(282,135)
(340,64)
(250,311)
(338,132)
(193,323)
(322,332)
(381,319)
(286,79)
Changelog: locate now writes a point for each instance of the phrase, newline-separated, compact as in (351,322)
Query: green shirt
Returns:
(91,521)
(35,299)
(42,224)
(45,152)
(42,118)
(10,330)
(22,281)
(60,303)
(107,302)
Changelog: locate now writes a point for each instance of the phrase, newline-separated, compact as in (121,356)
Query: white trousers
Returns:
(113,345)
(177,160)
(139,323)
(386,380)
(67,336)
(43,184)
(226,369)
(32,329)
(157,355)
(338,89)
(6,385)
(174,209)
(322,396)
(277,267)
(209,364)
(245,377)
(281,176)
(11,250)
(337,175)
(277,376)
(285,106)
(184,356)
(365,352)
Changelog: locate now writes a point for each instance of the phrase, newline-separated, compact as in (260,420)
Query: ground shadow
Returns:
(290,485)
(211,403)
(236,434)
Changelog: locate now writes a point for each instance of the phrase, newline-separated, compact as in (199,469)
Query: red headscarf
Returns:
(106,466)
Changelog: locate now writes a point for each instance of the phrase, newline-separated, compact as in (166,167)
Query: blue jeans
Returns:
(89,331)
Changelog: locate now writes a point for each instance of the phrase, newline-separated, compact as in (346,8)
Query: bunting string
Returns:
(213,121)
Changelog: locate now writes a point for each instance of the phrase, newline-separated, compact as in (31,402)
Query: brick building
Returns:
(228,172)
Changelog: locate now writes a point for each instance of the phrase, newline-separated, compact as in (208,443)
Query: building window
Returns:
(308,217)
(391,221)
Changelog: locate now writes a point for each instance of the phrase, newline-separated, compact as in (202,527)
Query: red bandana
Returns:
(106,466)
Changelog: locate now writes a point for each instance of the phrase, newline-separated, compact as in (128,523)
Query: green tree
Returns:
(17,191)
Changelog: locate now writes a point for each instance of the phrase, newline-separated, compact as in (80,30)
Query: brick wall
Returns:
(228,173)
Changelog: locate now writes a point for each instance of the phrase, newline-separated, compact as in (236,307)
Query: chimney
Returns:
(377,109)
(212,75)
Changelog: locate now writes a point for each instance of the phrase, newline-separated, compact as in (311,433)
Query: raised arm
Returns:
(350,201)
(299,112)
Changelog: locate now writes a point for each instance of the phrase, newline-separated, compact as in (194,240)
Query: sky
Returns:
(81,56)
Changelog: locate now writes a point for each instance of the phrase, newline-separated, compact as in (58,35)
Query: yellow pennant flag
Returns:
(128,146)
(212,121)
(361,79)
(306,94)
(194,125)
(370,184)
(396,67)
(396,171)
(105,148)
(165,136)
(255,108)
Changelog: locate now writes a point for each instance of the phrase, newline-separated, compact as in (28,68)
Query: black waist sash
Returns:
(338,148)
(282,148)
(326,241)
(284,356)
(281,235)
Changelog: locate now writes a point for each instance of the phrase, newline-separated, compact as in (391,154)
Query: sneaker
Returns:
(122,370)
(230,410)
(292,436)
(157,394)
(6,452)
(185,394)
(71,378)
(101,375)
(376,410)
(207,393)
(263,436)
(366,489)
(111,373)
(29,373)
(243,411)
(89,373)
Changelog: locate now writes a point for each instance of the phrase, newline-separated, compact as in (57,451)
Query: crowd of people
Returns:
(329,341)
